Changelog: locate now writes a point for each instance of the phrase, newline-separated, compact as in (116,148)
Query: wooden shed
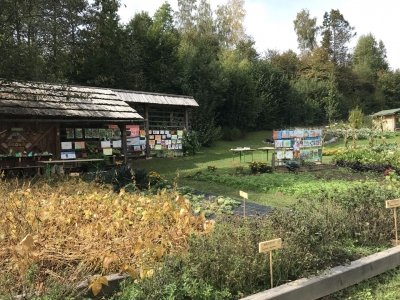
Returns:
(39,121)
(389,119)
(166,118)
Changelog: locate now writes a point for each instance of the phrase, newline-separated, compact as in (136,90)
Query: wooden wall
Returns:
(28,137)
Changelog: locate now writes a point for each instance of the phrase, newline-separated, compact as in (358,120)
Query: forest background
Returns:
(204,53)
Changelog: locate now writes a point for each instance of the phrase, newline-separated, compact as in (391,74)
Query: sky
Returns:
(270,22)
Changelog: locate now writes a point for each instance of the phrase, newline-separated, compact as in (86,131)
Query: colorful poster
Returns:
(289,154)
(133,130)
(68,155)
(79,145)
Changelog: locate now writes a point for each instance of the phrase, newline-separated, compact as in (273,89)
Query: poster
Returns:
(78,133)
(105,144)
(79,145)
(107,151)
(117,144)
(66,145)
(132,130)
(70,133)
(300,143)
(68,155)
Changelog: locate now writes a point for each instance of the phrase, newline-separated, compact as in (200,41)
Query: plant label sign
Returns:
(392,203)
(244,195)
(268,246)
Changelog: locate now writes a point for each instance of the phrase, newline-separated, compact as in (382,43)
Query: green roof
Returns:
(387,112)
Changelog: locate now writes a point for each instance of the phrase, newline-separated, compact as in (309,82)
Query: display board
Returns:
(84,143)
(298,144)
(165,139)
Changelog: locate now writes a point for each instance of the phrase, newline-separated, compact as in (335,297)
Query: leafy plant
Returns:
(190,143)
(72,229)
(259,167)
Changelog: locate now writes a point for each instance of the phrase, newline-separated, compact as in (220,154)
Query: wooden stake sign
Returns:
(268,246)
(395,203)
(245,197)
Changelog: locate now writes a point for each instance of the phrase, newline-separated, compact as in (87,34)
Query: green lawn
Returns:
(383,287)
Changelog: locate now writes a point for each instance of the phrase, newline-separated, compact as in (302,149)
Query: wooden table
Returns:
(267,149)
(63,162)
(242,152)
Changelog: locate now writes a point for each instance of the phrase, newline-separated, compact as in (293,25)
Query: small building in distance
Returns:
(387,120)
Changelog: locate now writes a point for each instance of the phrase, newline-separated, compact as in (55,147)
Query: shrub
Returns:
(259,167)
(321,231)
(190,143)
(231,134)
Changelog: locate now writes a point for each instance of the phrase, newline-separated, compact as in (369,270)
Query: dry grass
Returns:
(72,229)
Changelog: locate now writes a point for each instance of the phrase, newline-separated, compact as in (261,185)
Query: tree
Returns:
(306,30)
(272,89)
(331,100)
(230,18)
(389,84)
(102,62)
(369,58)
(185,15)
(204,18)
(288,62)
(336,34)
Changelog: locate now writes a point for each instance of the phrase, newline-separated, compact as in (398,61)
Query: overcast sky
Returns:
(270,22)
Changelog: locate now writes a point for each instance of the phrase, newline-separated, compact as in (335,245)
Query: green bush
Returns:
(231,133)
(259,167)
(321,231)
(190,143)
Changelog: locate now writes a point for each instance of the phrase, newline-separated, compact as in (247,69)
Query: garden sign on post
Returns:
(268,246)
(394,204)
(245,197)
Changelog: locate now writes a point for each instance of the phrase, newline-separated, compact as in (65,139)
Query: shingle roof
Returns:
(155,98)
(387,112)
(41,100)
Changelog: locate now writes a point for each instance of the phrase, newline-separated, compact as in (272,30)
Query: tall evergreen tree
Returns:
(336,34)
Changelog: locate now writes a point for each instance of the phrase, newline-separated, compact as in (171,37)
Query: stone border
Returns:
(334,279)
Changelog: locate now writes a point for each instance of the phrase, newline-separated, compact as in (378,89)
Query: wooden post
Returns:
(124,143)
(270,269)
(395,225)
(394,204)
(273,161)
(146,126)
(186,118)
(268,246)
(58,142)
(245,197)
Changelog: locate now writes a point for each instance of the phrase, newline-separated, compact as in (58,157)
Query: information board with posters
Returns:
(298,144)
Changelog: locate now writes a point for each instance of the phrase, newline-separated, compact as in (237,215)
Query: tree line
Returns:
(201,52)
